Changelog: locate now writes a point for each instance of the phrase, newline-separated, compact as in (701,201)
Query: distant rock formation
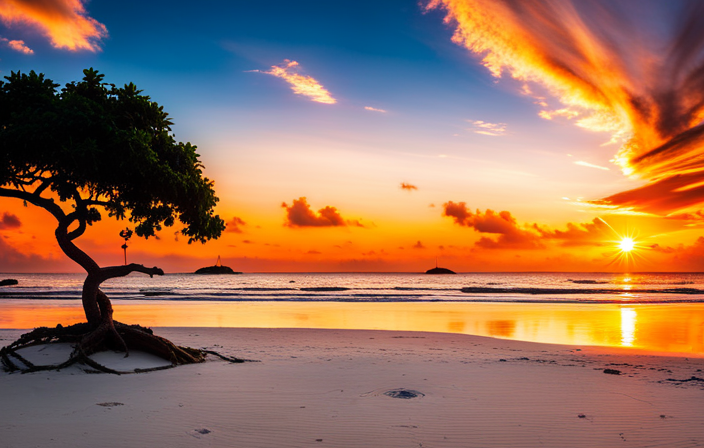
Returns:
(218,269)
(8,282)
(437,270)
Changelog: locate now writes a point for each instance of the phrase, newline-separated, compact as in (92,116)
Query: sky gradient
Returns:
(377,136)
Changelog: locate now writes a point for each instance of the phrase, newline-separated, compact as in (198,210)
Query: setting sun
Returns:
(627,244)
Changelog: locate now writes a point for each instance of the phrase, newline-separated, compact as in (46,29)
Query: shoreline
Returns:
(331,385)
(659,328)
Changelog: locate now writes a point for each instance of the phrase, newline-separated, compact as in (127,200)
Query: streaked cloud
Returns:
(300,84)
(482,127)
(9,222)
(64,22)
(633,72)
(408,187)
(374,109)
(299,214)
(17,45)
(590,165)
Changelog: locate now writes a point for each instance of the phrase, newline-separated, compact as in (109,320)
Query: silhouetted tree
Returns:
(93,147)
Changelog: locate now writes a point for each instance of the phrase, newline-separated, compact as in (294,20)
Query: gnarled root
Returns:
(113,335)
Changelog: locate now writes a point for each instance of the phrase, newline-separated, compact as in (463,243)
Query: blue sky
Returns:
(411,106)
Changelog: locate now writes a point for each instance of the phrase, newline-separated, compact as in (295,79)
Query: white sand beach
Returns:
(331,388)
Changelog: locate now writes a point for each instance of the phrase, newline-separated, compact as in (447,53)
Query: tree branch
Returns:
(121,271)
(80,230)
(47,204)
(43,186)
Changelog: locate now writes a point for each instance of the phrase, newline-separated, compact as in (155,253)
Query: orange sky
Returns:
(506,136)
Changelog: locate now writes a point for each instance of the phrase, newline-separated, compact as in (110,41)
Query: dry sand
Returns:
(327,388)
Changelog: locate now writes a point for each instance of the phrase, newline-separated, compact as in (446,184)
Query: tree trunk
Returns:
(92,282)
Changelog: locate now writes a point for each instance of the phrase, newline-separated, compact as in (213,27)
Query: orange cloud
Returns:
(418,245)
(299,214)
(17,45)
(409,187)
(374,109)
(301,84)
(64,22)
(9,222)
(234,225)
(610,74)
(502,224)
(515,236)
(594,233)
(684,257)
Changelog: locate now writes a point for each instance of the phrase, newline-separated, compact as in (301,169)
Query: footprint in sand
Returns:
(199,433)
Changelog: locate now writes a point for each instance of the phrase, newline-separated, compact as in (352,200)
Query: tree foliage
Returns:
(95,145)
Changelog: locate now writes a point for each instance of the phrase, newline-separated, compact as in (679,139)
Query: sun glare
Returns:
(627,244)
(626,248)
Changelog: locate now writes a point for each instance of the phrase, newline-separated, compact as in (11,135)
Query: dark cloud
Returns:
(418,245)
(663,197)
(234,225)
(684,257)
(515,236)
(583,234)
(299,214)
(9,222)
(510,234)
(12,260)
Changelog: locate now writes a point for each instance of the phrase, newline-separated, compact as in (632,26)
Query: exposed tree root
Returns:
(109,336)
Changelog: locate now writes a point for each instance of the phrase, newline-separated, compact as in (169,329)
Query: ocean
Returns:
(661,312)
(377,287)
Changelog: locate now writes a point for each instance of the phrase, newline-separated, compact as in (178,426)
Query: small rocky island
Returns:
(8,282)
(218,269)
(437,270)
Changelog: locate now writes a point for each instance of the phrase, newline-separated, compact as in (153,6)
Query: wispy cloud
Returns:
(551,114)
(64,22)
(17,45)
(591,165)
(374,109)
(635,75)
(299,214)
(482,127)
(300,84)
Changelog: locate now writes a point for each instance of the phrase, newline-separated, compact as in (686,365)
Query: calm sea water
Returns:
(375,287)
(659,312)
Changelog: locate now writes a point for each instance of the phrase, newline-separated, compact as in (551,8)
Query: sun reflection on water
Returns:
(628,326)
(665,328)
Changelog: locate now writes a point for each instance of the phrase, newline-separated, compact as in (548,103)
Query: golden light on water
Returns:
(661,327)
